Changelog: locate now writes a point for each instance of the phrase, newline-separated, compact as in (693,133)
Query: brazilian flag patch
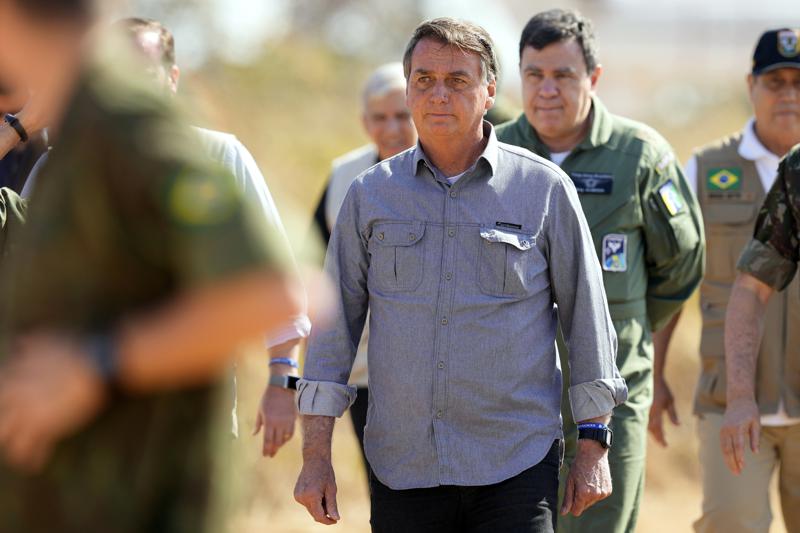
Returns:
(724,179)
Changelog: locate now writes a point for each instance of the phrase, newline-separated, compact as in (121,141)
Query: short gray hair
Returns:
(465,36)
(383,80)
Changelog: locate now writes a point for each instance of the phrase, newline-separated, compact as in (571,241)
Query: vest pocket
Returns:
(509,263)
(398,254)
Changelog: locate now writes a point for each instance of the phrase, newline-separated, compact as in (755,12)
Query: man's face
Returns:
(388,123)
(556,88)
(447,92)
(775,96)
(148,44)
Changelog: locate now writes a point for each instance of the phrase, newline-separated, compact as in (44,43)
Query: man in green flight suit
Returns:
(139,271)
(644,220)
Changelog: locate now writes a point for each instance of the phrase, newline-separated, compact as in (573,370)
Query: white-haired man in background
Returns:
(387,122)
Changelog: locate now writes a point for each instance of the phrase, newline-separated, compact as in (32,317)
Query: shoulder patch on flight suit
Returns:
(665,160)
(724,179)
(615,252)
(671,198)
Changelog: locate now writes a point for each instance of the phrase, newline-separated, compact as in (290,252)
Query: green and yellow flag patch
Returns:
(724,179)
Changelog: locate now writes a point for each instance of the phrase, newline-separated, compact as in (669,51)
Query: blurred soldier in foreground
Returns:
(731,178)
(643,217)
(388,124)
(277,410)
(138,272)
(459,248)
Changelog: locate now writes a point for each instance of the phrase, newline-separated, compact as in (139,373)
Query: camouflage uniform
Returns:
(773,253)
(12,216)
(648,234)
(123,218)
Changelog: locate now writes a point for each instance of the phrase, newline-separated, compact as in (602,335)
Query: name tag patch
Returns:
(593,182)
(615,252)
(671,198)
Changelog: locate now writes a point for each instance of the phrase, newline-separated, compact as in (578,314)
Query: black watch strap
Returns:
(102,352)
(284,382)
(14,122)
(603,435)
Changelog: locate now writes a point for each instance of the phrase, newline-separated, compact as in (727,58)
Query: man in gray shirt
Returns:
(467,252)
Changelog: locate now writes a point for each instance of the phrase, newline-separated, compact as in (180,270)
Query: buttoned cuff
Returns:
(764,263)
(596,398)
(324,398)
(299,328)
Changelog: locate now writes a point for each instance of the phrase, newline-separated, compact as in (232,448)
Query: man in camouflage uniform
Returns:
(731,177)
(643,218)
(139,270)
(767,264)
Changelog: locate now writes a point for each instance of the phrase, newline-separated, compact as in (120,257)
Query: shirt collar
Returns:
(489,154)
(750,147)
(599,133)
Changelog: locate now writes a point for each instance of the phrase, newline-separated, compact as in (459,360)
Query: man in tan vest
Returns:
(731,178)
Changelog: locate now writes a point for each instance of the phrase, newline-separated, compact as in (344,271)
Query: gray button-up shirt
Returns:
(465,285)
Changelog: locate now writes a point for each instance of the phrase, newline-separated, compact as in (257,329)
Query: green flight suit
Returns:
(126,214)
(648,233)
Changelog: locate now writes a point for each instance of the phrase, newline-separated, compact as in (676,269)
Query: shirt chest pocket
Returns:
(397,252)
(509,264)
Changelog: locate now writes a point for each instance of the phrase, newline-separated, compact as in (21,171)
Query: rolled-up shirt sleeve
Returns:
(596,386)
(332,344)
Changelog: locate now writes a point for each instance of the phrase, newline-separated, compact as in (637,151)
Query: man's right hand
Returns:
(316,490)
(740,427)
(589,478)
(663,402)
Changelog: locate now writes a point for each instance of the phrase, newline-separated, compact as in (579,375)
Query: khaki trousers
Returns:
(740,504)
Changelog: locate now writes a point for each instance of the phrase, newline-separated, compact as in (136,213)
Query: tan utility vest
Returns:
(729,214)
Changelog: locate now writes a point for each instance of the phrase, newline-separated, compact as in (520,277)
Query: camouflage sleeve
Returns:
(674,240)
(12,216)
(773,253)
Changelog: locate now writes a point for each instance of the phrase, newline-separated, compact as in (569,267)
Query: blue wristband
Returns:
(284,361)
(592,425)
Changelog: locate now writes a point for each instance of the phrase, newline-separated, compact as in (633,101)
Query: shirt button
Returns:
(451,232)
(439,414)
(380,236)
(444,321)
(441,365)
(448,276)
(453,194)
(412,237)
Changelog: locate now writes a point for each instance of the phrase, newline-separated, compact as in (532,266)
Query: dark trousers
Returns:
(358,414)
(525,503)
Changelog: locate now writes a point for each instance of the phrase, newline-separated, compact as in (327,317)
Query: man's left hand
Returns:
(48,390)
(589,479)
(277,413)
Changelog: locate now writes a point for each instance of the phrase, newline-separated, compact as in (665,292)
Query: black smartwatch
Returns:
(101,350)
(284,382)
(17,126)
(598,432)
